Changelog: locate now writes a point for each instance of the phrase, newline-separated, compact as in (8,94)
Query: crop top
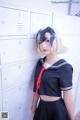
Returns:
(56,78)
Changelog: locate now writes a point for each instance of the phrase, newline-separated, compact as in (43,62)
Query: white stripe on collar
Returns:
(60,65)
(47,65)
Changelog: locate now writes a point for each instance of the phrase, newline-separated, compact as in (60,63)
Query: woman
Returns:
(52,76)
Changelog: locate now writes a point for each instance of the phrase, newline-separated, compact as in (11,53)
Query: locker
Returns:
(67,25)
(0,78)
(17,73)
(39,20)
(16,50)
(20,95)
(13,22)
(1,100)
(0,89)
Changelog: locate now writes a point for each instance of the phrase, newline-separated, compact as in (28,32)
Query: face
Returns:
(45,47)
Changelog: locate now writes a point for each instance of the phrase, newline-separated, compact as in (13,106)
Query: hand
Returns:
(33,109)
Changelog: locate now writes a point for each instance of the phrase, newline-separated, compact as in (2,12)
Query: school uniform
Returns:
(51,81)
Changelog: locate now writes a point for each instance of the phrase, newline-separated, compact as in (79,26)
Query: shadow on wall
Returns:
(30,95)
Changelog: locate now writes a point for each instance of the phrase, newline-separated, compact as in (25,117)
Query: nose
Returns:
(44,44)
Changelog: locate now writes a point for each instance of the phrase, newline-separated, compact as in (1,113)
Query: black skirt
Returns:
(51,110)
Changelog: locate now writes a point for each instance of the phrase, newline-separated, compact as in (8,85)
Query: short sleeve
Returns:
(66,74)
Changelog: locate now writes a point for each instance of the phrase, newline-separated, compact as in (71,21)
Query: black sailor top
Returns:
(56,78)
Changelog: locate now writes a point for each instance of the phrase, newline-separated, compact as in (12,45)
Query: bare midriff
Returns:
(49,98)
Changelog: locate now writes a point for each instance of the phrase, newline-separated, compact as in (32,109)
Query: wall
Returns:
(19,21)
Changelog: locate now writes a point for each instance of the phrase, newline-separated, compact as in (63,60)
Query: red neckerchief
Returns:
(39,80)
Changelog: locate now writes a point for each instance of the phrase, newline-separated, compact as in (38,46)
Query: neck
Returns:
(51,58)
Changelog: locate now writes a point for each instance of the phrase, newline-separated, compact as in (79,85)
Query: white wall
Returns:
(19,21)
(39,5)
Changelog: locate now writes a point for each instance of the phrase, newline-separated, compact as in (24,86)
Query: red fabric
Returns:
(39,80)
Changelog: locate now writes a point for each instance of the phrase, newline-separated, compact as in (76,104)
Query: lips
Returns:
(44,50)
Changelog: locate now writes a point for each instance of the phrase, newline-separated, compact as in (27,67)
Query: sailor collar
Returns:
(56,65)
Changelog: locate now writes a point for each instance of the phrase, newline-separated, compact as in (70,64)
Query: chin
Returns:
(46,53)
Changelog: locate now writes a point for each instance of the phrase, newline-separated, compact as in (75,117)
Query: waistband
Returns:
(56,101)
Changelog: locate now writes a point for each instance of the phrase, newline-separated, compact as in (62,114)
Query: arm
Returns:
(67,95)
(34,102)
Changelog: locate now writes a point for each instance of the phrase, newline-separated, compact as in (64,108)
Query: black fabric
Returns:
(66,77)
(56,78)
(36,73)
(52,110)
